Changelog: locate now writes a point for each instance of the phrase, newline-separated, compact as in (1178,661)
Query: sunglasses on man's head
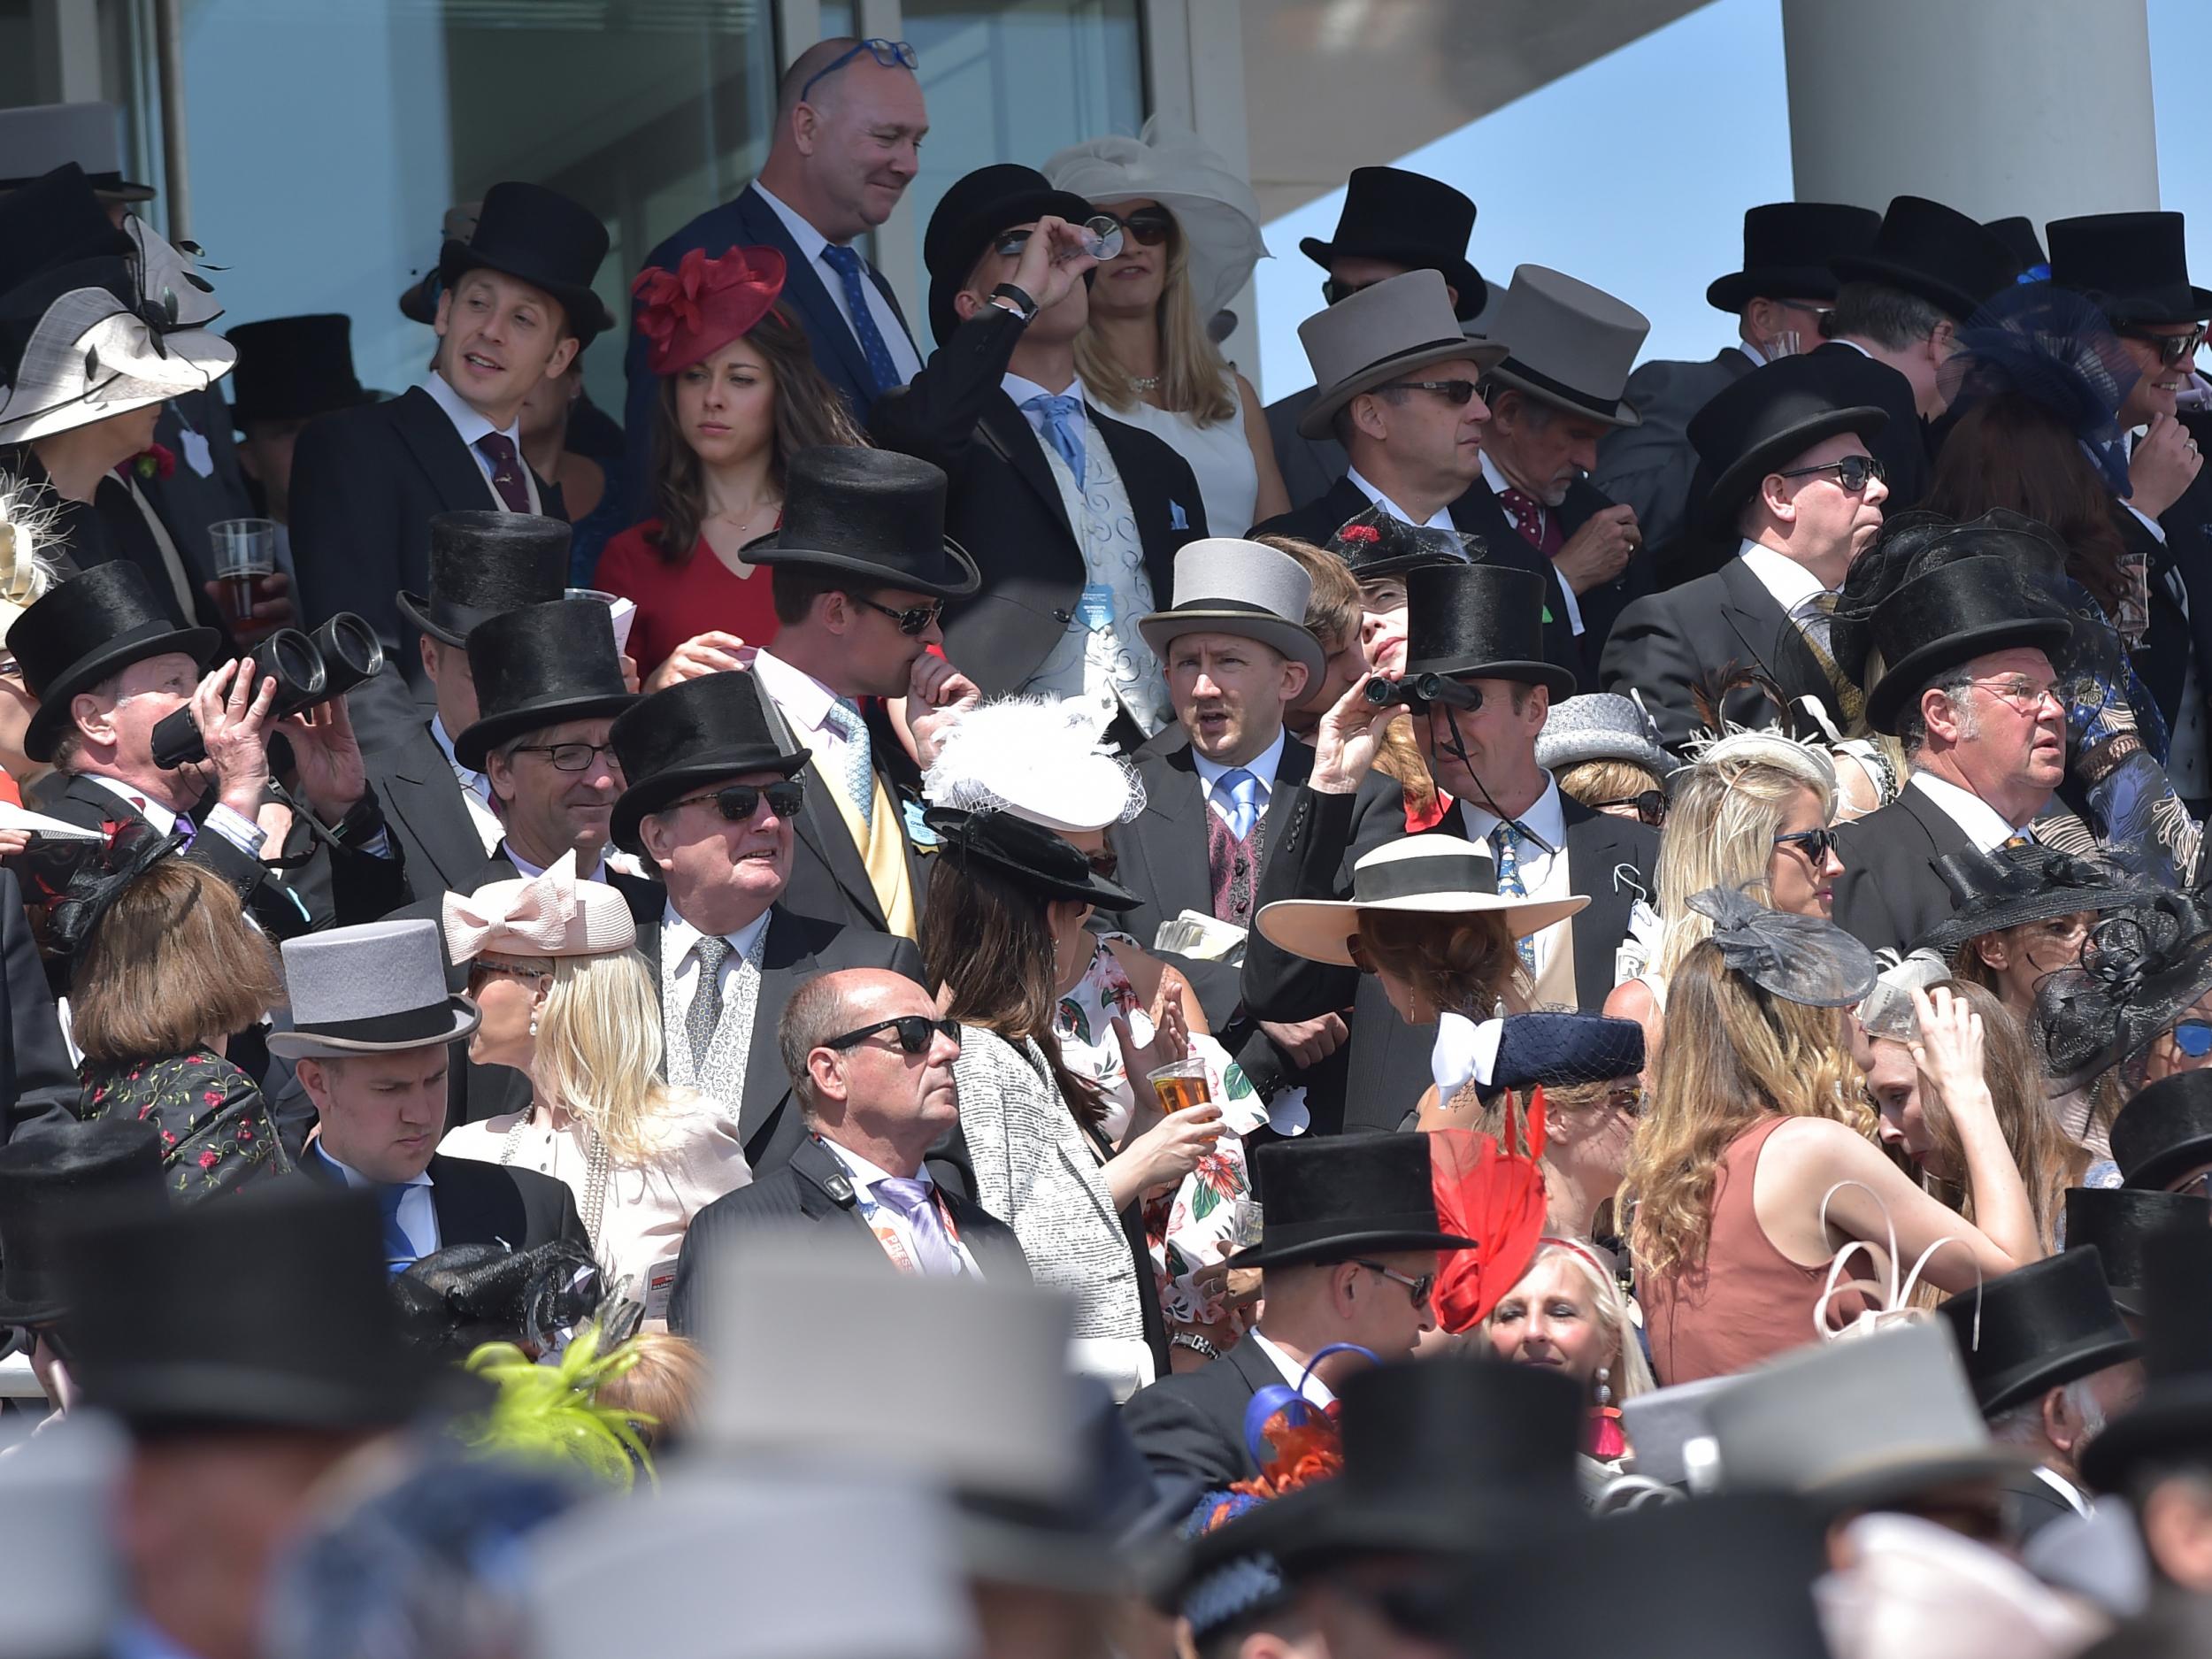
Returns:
(915,1033)
(2172,349)
(915,619)
(890,54)
(737,802)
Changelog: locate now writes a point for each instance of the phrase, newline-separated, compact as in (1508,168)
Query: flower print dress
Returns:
(1198,1224)
(217,1132)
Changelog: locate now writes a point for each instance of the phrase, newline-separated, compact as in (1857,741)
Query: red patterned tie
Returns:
(1539,527)
(507,478)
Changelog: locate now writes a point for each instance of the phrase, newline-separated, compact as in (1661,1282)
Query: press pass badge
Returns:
(1095,608)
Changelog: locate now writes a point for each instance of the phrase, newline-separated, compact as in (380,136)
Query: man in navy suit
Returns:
(849,123)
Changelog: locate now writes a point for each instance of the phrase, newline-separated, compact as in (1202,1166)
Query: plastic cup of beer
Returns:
(245,551)
(1181,1086)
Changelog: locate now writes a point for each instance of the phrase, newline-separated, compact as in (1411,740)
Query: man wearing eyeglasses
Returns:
(712,798)
(1971,693)
(1786,448)
(849,126)
(871,1062)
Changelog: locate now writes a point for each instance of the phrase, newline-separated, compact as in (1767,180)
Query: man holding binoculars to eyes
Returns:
(108,666)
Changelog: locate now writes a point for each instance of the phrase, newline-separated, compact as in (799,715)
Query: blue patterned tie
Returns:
(1059,423)
(1506,839)
(399,1249)
(859,777)
(846,263)
(1239,790)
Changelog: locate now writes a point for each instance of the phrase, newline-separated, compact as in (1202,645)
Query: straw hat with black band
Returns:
(1385,333)
(1573,344)
(1436,875)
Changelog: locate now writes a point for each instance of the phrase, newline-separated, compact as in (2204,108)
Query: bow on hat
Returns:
(701,306)
(534,920)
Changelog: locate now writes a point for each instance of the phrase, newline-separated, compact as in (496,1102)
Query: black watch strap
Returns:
(1020,298)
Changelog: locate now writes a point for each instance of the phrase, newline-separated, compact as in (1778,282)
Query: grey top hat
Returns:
(377,988)
(1600,725)
(1382,334)
(1573,345)
(1860,1424)
(37,138)
(1227,586)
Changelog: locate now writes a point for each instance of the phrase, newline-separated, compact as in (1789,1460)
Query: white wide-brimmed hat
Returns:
(1039,759)
(90,357)
(1422,875)
(549,915)
(1214,207)
(377,988)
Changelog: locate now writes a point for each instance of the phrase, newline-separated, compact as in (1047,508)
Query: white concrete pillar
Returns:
(2040,107)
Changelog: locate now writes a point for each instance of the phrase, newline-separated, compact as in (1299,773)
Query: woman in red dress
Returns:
(739,397)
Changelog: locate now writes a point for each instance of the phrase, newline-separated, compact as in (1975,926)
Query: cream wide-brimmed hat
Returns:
(549,915)
(1441,876)
(90,356)
(1039,758)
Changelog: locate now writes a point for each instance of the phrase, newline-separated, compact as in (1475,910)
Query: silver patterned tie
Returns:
(859,779)
(706,1002)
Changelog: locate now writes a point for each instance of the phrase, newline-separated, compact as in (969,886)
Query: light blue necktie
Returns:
(846,263)
(937,1256)
(1239,790)
(1507,838)
(859,779)
(1058,421)
(399,1249)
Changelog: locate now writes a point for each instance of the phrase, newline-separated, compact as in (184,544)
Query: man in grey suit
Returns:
(1783,290)
(1392,222)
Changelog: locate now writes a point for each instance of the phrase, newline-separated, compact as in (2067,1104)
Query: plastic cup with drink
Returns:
(245,551)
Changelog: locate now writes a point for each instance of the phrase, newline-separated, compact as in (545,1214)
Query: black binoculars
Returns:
(1417,691)
(309,668)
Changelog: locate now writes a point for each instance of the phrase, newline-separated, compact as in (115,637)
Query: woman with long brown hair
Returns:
(739,397)
(1756,1162)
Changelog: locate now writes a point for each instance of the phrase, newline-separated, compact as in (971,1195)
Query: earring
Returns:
(533,1022)
(1604,1393)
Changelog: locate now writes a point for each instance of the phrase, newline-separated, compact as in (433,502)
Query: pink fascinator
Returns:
(693,311)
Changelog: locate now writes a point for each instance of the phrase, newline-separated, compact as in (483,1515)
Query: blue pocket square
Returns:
(1177,518)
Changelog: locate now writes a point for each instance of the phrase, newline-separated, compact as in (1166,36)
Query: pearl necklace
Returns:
(1145,382)
(595,1167)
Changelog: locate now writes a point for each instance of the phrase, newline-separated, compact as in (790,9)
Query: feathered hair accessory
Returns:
(548,1413)
(26,572)
(1038,758)
(693,311)
(1805,959)
(1724,741)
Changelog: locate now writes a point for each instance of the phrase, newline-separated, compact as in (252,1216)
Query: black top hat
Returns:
(1763,421)
(538,667)
(541,237)
(970,215)
(1786,247)
(1408,218)
(694,732)
(1947,617)
(2008,888)
(293,368)
(1334,1197)
(2134,265)
(311,1341)
(1480,622)
(1446,1456)
(2038,1327)
(874,513)
(82,630)
(55,219)
(51,1184)
(1936,253)
(484,565)
(2164,1131)
(2173,1419)
(2121,1222)
(1376,542)
(2016,231)
(1048,864)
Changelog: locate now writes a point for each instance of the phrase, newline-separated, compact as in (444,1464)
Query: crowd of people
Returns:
(1000,1003)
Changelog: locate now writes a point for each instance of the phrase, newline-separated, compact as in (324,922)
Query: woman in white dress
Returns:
(568,1001)
(1190,237)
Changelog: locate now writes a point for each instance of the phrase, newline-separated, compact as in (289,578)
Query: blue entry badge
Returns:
(1095,608)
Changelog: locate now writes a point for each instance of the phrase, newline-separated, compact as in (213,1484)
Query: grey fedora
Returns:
(1227,586)
(1380,334)
(377,989)
(1573,345)
(1865,1423)
(1600,725)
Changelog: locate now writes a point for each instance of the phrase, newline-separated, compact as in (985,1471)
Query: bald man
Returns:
(871,1062)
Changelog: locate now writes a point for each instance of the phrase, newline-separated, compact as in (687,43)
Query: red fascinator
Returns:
(694,311)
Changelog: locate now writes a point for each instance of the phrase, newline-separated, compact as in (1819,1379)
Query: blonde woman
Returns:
(568,1001)
(1190,237)
(1752,814)
(1568,1314)
(1757,1124)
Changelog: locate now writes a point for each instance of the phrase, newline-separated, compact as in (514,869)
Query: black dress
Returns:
(217,1136)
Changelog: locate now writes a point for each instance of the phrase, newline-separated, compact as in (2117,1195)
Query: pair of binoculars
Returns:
(1418,691)
(309,670)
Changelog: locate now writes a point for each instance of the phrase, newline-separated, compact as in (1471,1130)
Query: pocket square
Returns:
(1177,518)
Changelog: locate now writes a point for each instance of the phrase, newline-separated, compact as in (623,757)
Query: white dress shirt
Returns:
(1263,767)
(1440,519)
(810,242)
(1787,581)
(806,705)
(476,790)
(1544,874)
(471,425)
(1984,825)
(418,1210)
(1499,484)
(240,831)
(1316,1391)
(882,1212)
(679,939)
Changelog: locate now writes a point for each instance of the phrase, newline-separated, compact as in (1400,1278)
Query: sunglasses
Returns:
(890,54)
(1650,806)
(916,1031)
(1854,472)
(1333,291)
(737,802)
(2172,349)
(2194,1038)
(916,620)
(1417,1289)
(1456,392)
(1816,844)
(1148,226)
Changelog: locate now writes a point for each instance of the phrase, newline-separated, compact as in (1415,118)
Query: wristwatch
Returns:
(1196,1343)
(1007,298)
